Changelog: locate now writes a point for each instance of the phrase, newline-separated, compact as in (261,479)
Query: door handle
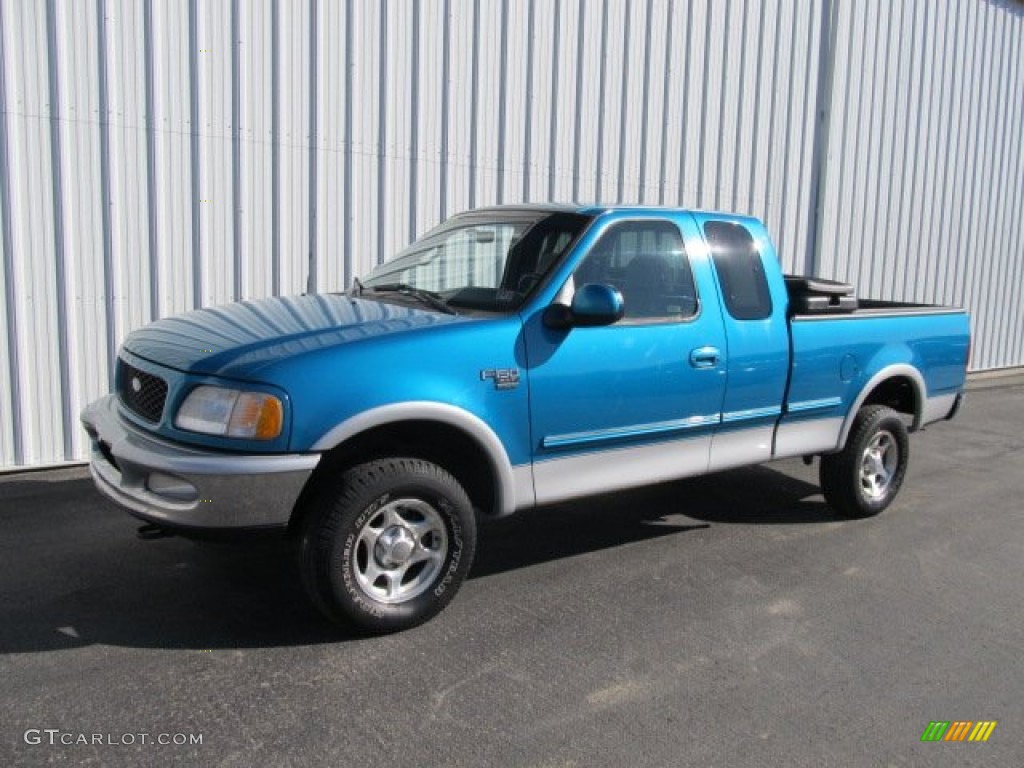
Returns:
(705,357)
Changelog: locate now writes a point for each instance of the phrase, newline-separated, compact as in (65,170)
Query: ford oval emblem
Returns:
(136,384)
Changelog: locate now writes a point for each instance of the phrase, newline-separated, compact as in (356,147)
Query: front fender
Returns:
(515,484)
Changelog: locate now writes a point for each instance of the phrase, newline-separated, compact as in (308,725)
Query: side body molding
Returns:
(515,485)
(889,372)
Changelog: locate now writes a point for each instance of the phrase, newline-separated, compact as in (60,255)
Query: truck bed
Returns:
(837,352)
(814,297)
(879,307)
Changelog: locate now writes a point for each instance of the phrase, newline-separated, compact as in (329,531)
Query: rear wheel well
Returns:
(434,441)
(898,393)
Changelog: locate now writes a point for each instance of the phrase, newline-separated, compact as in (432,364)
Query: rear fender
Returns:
(898,370)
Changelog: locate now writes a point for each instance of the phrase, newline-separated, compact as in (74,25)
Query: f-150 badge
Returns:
(503,378)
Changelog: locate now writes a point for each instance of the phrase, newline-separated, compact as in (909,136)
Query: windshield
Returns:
(488,260)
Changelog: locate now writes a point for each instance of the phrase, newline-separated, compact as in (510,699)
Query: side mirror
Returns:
(592,305)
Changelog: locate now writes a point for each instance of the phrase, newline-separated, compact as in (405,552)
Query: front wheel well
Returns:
(434,441)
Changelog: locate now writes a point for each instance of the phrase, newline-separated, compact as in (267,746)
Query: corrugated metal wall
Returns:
(924,178)
(161,155)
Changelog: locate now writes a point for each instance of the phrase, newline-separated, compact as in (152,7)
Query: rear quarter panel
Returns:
(836,360)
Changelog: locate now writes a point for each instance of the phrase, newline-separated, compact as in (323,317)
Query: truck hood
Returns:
(239,339)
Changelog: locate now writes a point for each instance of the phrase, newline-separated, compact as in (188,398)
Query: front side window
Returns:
(646,262)
(740,270)
(488,260)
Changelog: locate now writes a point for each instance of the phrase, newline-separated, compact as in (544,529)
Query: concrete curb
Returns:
(1004,377)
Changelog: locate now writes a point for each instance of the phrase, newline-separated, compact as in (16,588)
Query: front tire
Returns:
(387,545)
(864,478)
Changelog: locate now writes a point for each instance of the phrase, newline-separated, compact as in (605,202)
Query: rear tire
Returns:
(864,478)
(388,544)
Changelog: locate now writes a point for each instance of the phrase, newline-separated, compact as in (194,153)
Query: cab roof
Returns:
(597,209)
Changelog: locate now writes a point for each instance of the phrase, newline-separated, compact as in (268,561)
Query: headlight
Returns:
(231,412)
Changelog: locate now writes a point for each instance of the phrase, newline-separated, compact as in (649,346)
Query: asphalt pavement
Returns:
(730,620)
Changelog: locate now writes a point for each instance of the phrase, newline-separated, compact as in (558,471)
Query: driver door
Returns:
(639,400)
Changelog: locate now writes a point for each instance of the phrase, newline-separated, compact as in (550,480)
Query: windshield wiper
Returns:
(429,298)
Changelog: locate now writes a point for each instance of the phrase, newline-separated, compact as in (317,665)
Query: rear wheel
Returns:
(387,546)
(864,478)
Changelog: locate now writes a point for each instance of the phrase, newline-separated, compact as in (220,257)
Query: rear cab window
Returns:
(740,270)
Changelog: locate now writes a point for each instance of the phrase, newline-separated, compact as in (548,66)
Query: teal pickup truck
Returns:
(512,357)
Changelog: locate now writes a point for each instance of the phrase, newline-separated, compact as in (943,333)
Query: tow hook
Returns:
(149,531)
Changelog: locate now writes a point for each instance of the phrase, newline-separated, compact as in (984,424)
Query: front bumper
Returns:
(177,486)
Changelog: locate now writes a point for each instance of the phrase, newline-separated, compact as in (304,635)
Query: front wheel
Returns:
(863,478)
(388,544)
